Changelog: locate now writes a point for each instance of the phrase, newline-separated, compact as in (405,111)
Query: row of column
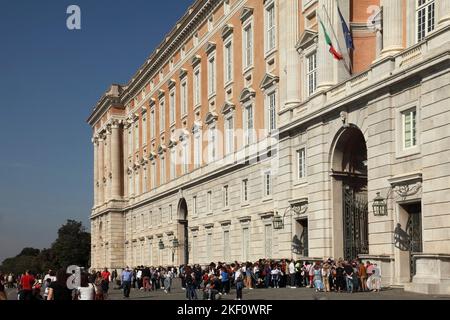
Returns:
(393,23)
(107,161)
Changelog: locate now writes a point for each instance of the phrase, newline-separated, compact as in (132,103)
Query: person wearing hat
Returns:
(326,276)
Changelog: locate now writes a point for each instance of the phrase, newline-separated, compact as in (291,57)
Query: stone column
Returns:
(379,41)
(290,19)
(126,126)
(108,163)
(325,61)
(115,160)
(392,27)
(101,170)
(95,143)
(443,12)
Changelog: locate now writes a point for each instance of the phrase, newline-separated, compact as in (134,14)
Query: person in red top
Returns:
(105,283)
(26,283)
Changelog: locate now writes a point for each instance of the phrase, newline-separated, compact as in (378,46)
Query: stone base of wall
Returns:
(432,275)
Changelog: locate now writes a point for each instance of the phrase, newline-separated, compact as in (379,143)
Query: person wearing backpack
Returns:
(239,280)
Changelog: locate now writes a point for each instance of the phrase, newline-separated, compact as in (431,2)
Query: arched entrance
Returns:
(183,232)
(349,185)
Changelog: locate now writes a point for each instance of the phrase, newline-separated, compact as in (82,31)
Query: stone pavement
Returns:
(269,294)
(279,294)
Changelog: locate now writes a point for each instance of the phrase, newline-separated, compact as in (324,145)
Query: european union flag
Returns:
(347,33)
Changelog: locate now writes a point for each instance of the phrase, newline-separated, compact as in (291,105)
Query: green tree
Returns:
(73,245)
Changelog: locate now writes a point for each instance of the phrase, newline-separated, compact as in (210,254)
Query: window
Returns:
(228,63)
(212,144)
(185,157)
(172,163)
(162,115)
(244,191)
(226,246)
(248,46)
(160,216)
(272,111)
(153,175)
(268,241)
(301,162)
(210,23)
(197,86)
(226,6)
(225,197)
(152,124)
(409,120)
(184,97)
(136,136)
(271,29)
(425,17)
(209,245)
(229,135)
(136,182)
(194,205)
(311,74)
(248,124)
(130,141)
(130,184)
(171,64)
(144,130)
(212,75)
(163,171)
(197,151)
(245,244)
(209,202)
(195,39)
(150,217)
(267,184)
(172,107)
(161,75)
(170,213)
(145,183)
(183,52)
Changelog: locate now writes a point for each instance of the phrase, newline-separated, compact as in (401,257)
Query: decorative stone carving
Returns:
(246,13)
(228,107)
(211,117)
(268,81)
(227,30)
(246,95)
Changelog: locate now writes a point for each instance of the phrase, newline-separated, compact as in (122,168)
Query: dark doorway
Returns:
(349,172)
(183,231)
(414,233)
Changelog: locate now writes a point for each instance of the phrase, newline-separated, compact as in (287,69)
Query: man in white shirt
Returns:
(292,274)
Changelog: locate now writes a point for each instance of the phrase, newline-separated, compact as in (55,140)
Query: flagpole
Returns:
(339,47)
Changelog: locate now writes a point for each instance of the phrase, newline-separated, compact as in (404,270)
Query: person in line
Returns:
(348,269)
(26,285)
(3,296)
(239,281)
(318,284)
(47,284)
(86,290)
(126,282)
(58,290)
(292,274)
(105,284)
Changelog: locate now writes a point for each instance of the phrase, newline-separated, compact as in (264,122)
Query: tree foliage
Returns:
(72,247)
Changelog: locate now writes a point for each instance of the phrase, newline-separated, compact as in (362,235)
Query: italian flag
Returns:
(333,51)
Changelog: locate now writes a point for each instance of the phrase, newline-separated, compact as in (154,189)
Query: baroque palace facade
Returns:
(241,138)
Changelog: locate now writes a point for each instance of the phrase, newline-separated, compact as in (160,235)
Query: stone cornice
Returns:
(195,15)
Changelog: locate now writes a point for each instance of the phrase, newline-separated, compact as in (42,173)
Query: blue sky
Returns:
(50,78)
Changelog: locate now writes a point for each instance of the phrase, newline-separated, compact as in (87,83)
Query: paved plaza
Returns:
(269,294)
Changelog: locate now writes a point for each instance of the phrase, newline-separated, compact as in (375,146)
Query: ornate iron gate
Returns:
(414,231)
(356,224)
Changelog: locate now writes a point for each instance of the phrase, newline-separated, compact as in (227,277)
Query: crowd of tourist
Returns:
(200,282)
